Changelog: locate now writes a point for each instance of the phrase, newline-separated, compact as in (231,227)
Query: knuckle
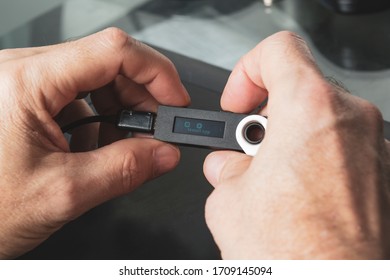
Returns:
(372,111)
(295,49)
(292,39)
(169,65)
(288,36)
(373,115)
(116,38)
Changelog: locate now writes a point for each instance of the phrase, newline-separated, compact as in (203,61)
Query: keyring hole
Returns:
(254,133)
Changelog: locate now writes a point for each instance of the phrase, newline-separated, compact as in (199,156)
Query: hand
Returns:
(42,184)
(319,184)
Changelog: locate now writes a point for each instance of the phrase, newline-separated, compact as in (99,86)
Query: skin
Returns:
(43,185)
(318,187)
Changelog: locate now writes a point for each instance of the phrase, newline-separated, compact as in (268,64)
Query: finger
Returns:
(135,96)
(114,170)
(278,68)
(240,86)
(223,165)
(108,134)
(122,93)
(106,102)
(94,61)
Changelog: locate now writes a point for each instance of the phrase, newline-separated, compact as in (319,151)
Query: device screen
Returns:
(199,127)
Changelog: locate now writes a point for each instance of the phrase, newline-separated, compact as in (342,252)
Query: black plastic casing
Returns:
(165,122)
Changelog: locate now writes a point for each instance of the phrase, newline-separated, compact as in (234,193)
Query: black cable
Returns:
(88,120)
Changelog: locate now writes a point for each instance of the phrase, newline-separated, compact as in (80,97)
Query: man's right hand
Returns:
(319,184)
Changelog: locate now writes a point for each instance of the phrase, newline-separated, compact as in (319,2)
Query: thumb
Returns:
(223,165)
(117,169)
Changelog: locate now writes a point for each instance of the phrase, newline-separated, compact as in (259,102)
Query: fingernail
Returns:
(166,158)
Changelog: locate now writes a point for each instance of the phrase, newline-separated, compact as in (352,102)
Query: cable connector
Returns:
(126,120)
(136,121)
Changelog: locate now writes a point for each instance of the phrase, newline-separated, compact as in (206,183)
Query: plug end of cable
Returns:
(136,121)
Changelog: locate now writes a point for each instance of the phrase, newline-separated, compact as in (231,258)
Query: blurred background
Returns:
(164,219)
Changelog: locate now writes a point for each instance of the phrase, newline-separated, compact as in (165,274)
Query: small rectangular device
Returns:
(213,129)
(194,127)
